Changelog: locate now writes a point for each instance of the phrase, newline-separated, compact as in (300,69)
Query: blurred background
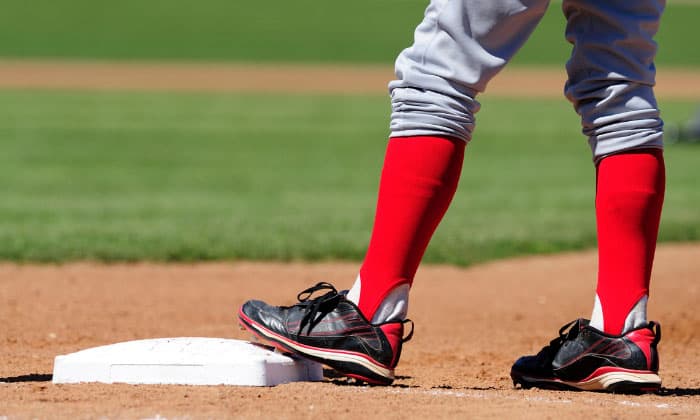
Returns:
(116,171)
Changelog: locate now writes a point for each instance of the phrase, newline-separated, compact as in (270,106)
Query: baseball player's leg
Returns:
(458,48)
(611,74)
(611,78)
(419,179)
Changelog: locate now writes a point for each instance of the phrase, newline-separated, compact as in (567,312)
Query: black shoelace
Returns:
(324,303)
(566,333)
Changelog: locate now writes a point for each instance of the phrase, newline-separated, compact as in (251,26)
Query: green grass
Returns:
(303,30)
(132,176)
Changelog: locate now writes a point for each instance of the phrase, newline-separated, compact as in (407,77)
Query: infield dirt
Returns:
(285,78)
(471,324)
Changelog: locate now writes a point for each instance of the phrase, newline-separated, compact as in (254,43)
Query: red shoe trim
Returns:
(643,338)
(394,334)
(609,369)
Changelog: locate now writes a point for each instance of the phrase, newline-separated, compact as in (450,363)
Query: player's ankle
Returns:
(393,306)
(635,318)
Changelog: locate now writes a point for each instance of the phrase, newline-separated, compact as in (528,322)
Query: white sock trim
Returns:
(637,316)
(635,319)
(597,320)
(394,307)
(354,292)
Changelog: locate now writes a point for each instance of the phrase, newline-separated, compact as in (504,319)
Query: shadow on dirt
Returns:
(663,392)
(679,392)
(337,379)
(32,377)
(469,388)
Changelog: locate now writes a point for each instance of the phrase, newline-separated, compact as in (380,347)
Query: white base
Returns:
(184,361)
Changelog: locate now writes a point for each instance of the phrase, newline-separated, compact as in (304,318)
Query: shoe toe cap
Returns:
(522,361)
(270,317)
(526,364)
(252,306)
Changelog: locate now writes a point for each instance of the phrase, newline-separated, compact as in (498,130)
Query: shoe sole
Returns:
(354,365)
(602,380)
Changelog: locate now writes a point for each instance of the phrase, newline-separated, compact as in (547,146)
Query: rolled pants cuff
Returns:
(418,112)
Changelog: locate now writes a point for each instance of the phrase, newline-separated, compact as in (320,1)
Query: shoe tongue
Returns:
(576,328)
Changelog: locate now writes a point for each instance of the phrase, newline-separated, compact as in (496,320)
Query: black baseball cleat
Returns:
(331,330)
(584,358)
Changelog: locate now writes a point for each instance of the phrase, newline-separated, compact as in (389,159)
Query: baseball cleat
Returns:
(331,330)
(584,358)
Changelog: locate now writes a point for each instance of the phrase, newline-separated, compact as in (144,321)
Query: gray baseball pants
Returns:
(461,44)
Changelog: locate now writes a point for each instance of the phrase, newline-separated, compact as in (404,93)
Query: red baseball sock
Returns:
(629,197)
(418,181)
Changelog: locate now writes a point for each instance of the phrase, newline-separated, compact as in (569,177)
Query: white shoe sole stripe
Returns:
(604,381)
